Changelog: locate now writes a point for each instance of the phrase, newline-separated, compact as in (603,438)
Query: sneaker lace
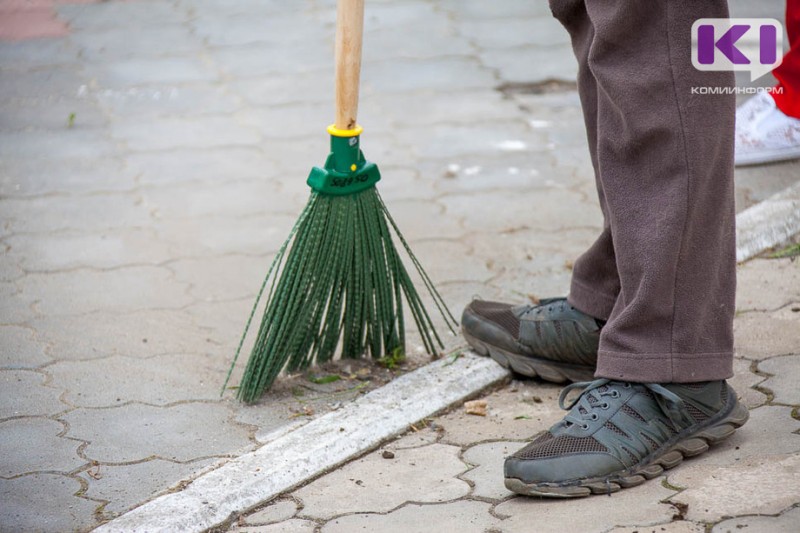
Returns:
(591,398)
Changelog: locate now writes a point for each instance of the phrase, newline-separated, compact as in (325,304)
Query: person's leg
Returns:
(664,158)
(595,283)
(664,161)
(787,97)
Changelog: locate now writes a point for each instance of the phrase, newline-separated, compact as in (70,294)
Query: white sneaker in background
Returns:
(764,133)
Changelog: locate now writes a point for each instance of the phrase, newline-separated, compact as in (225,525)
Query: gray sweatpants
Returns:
(663,271)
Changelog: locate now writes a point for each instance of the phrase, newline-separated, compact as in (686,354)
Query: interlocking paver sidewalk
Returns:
(153,156)
(447,475)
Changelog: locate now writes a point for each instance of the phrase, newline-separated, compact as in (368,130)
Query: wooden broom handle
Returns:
(349,30)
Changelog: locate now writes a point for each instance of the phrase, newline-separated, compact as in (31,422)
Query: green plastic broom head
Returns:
(338,281)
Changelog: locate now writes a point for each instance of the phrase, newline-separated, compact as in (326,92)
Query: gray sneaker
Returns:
(552,340)
(618,435)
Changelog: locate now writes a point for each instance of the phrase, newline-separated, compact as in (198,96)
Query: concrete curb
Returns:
(312,449)
(768,224)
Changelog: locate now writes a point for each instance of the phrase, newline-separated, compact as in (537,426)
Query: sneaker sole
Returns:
(650,467)
(530,366)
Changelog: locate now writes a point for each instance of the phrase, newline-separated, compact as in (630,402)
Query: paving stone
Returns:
(425,74)
(104,15)
(379,16)
(375,484)
(15,307)
(767,284)
(20,348)
(786,522)
(497,212)
(113,44)
(62,114)
(403,183)
(166,377)
(37,85)
(490,139)
(477,9)
(54,144)
(257,235)
(222,278)
(487,476)
(24,55)
(680,526)
(759,335)
(124,289)
(200,132)
(785,377)
(56,508)
(742,382)
(214,165)
(441,40)
(136,334)
(127,485)
(9,265)
(639,506)
(435,108)
(239,198)
(424,220)
(44,252)
(85,213)
(511,415)
(282,30)
(33,445)
(294,525)
(221,8)
(299,88)
(23,393)
(150,71)
(223,322)
(463,266)
(520,254)
(507,172)
(715,492)
(414,439)
(261,60)
(522,31)
(275,512)
(465,516)
(37,176)
(187,100)
(135,432)
(771,431)
(528,65)
(304,120)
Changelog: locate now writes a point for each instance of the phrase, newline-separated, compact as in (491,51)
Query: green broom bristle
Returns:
(337,277)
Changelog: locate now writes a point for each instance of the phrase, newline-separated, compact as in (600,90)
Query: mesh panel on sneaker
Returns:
(499,313)
(695,412)
(558,446)
(632,413)
(613,427)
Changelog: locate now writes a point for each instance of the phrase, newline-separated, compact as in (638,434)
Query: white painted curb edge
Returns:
(768,224)
(313,448)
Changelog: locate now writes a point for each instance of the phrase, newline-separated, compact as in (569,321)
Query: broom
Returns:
(338,279)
